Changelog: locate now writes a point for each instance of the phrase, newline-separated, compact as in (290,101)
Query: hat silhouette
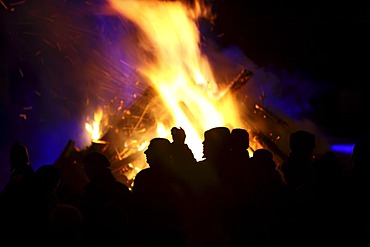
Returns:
(217,134)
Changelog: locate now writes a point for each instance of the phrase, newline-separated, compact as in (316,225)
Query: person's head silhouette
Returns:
(216,142)
(96,165)
(302,143)
(158,152)
(178,135)
(18,156)
(239,139)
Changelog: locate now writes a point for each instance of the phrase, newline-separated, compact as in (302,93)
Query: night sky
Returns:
(326,43)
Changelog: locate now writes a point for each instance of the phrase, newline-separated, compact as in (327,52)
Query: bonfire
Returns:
(133,69)
(181,89)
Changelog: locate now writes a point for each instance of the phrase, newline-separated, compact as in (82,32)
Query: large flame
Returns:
(177,69)
(94,128)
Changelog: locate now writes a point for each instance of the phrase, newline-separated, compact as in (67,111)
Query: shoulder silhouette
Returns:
(157,199)
(295,168)
(106,203)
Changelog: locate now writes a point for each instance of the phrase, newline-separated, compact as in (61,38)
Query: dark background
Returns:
(325,41)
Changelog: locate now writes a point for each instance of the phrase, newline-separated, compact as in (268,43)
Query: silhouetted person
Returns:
(296,167)
(239,177)
(156,199)
(182,158)
(184,167)
(74,179)
(28,216)
(43,200)
(258,210)
(263,163)
(295,170)
(267,200)
(19,160)
(45,183)
(106,204)
(216,150)
(269,180)
(239,142)
(65,227)
(15,197)
(315,211)
(239,165)
(353,207)
(181,153)
(213,194)
(21,169)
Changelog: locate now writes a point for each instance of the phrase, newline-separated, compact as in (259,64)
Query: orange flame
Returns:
(94,128)
(178,70)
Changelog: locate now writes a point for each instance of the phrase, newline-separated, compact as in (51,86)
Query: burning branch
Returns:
(242,78)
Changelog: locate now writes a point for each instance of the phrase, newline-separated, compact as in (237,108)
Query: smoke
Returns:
(286,97)
(63,59)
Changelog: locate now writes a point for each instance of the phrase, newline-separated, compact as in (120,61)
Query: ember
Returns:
(182,89)
(125,140)
(135,74)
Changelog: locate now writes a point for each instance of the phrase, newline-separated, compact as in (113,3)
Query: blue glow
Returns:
(343,148)
(46,141)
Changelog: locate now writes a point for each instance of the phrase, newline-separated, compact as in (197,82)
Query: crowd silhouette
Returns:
(230,198)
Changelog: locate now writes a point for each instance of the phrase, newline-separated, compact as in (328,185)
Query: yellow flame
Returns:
(177,69)
(162,130)
(94,129)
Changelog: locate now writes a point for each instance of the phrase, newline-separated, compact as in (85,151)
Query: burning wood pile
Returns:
(182,88)
(179,84)
(125,140)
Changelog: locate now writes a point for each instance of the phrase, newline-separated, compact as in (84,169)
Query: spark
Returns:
(17,3)
(4,5)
